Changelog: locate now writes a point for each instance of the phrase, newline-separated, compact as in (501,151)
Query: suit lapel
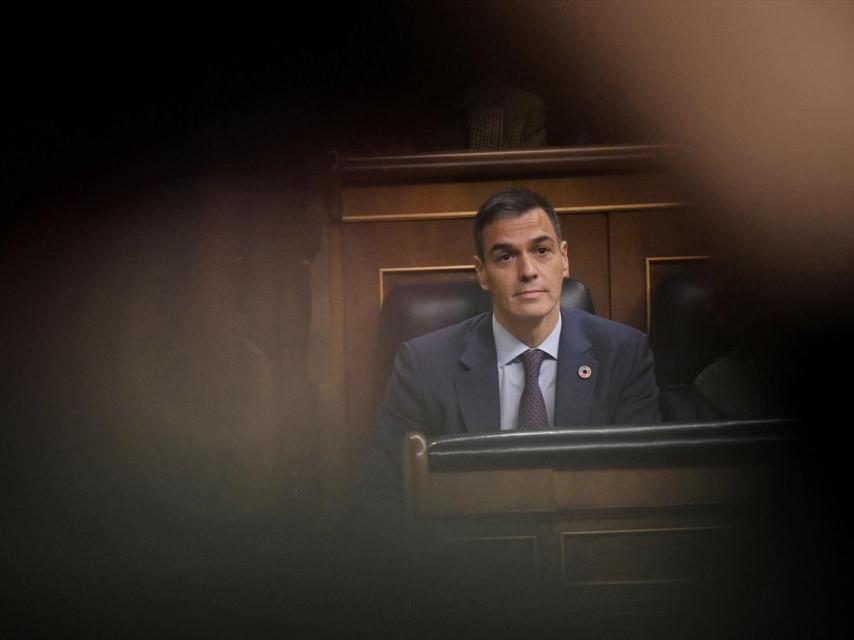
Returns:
(573,394)
(477,386)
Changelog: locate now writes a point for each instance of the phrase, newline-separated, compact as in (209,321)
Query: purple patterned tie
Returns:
(532,407)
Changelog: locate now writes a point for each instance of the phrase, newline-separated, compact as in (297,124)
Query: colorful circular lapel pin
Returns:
(584,372)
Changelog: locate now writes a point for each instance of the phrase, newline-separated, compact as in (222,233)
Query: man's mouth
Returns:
(530,293)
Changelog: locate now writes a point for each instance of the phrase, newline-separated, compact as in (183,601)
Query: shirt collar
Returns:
(508,348)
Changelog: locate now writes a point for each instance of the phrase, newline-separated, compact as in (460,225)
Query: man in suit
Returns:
(527,364)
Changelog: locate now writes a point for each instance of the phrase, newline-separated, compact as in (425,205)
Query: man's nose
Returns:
(526,267)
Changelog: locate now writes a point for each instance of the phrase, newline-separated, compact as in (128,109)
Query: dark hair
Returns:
(511,203)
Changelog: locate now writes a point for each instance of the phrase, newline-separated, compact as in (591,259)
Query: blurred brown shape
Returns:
(762,94)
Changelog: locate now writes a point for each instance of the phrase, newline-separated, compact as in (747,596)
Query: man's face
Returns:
(523,268)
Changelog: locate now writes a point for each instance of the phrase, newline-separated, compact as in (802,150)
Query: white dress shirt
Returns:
(511,372)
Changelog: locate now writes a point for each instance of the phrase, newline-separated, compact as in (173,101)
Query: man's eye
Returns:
(542,250)
(504,257)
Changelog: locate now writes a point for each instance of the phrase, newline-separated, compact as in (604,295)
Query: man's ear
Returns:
(564,253)
(480,269)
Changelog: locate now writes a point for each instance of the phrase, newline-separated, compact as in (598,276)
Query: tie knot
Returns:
(532,359)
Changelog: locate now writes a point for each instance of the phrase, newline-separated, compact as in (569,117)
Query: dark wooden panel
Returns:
(578,194)
(587,238)
(367,248)
(668,554)
(477,164)
(636,236)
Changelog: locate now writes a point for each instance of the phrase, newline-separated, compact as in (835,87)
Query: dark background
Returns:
(154,98)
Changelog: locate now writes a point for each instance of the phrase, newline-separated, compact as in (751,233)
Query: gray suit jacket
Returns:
(446,382)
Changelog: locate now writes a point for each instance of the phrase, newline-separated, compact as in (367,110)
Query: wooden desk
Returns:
(612,521)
